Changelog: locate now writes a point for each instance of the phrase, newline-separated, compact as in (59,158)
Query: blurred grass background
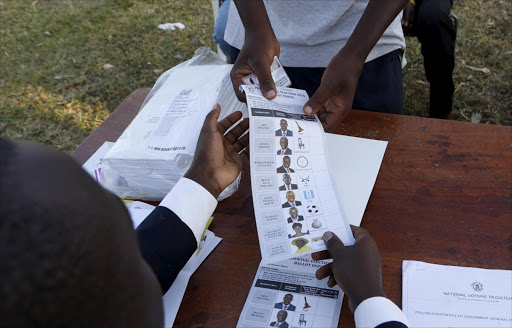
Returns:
(66,64)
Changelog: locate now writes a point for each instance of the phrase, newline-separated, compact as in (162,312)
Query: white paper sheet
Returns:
(355,163)
(449,296)
(172,299)
(294,193)
(313,304)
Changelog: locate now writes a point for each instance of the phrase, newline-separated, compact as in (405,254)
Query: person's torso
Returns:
(310,33)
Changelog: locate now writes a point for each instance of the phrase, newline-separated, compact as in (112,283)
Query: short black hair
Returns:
(296,224)
(53,267)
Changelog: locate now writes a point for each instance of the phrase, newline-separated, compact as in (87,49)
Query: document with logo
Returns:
(449,296)
(294,194)
(287,294)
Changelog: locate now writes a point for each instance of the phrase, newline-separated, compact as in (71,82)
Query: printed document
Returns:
(295,197)
(287,294)
(450,296)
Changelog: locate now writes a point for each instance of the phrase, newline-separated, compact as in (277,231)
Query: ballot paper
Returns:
(279,75)
(294,195)
(449,296)
(173,297)
(291,286)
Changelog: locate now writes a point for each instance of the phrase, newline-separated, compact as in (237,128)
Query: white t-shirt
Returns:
(311,33)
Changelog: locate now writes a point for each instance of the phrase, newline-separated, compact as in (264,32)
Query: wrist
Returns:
(205,179)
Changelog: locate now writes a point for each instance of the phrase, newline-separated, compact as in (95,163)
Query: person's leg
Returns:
(380,87)
(436,33)
(218,33)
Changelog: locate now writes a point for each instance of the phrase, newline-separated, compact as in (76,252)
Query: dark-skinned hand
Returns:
(256,56)
(356,269)
(333,99)
(217,161)
(408,16)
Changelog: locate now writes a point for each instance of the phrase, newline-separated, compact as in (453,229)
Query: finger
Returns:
(330,121)
(235,133)
(210,122)
(359,232)
(317,100)
(318,256)
(241,143)
(246,153)
(324,271)
(334,244)
(236,75)
(331,282)
(228,121)
(267,85)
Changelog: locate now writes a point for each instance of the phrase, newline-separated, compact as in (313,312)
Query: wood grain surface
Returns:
(443,195)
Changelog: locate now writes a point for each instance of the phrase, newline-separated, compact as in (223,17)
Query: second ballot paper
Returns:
(294,193)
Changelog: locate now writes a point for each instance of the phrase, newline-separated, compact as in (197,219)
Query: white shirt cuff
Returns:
(377,310)
(192,203)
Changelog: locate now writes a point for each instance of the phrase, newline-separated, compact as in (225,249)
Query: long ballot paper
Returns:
(310,302)
(294,194)
(450,296)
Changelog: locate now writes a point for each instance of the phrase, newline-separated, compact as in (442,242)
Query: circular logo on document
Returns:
(302,161)
(477,287)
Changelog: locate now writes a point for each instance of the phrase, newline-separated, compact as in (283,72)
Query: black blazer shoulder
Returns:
(166,243)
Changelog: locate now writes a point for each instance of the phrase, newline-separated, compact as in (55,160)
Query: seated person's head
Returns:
(68,249)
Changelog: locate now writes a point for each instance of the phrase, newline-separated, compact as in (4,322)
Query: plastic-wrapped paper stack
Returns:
(157,148)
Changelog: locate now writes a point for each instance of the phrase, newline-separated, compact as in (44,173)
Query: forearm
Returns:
(376,18)
(254,16)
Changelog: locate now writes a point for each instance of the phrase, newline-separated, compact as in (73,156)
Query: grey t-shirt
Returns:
(311,32)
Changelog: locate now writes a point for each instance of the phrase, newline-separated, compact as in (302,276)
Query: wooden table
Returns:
(443,195)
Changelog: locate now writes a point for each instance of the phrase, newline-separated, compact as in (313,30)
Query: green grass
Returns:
(54,89)
(484,40)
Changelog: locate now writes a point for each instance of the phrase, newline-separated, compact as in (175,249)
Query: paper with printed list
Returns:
(450,296)
(287,294)
(295,197)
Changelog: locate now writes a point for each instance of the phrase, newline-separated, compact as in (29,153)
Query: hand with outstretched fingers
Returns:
(219,155)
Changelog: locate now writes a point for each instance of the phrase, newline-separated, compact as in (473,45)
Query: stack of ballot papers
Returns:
(157,148)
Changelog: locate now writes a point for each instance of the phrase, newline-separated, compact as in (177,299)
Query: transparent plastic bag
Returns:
(157,148)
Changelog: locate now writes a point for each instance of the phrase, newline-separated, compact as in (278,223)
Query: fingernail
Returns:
(327,236)
(308,109)
(271,94)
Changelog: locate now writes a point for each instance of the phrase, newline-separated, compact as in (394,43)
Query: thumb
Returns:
(267,85)
(317,100)
(334,244)
(210,122)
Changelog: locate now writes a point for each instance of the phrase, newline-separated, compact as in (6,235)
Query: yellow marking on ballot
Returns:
(204,232)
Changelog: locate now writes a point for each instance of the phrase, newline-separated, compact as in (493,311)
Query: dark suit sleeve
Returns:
(166,243)
(392,324)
